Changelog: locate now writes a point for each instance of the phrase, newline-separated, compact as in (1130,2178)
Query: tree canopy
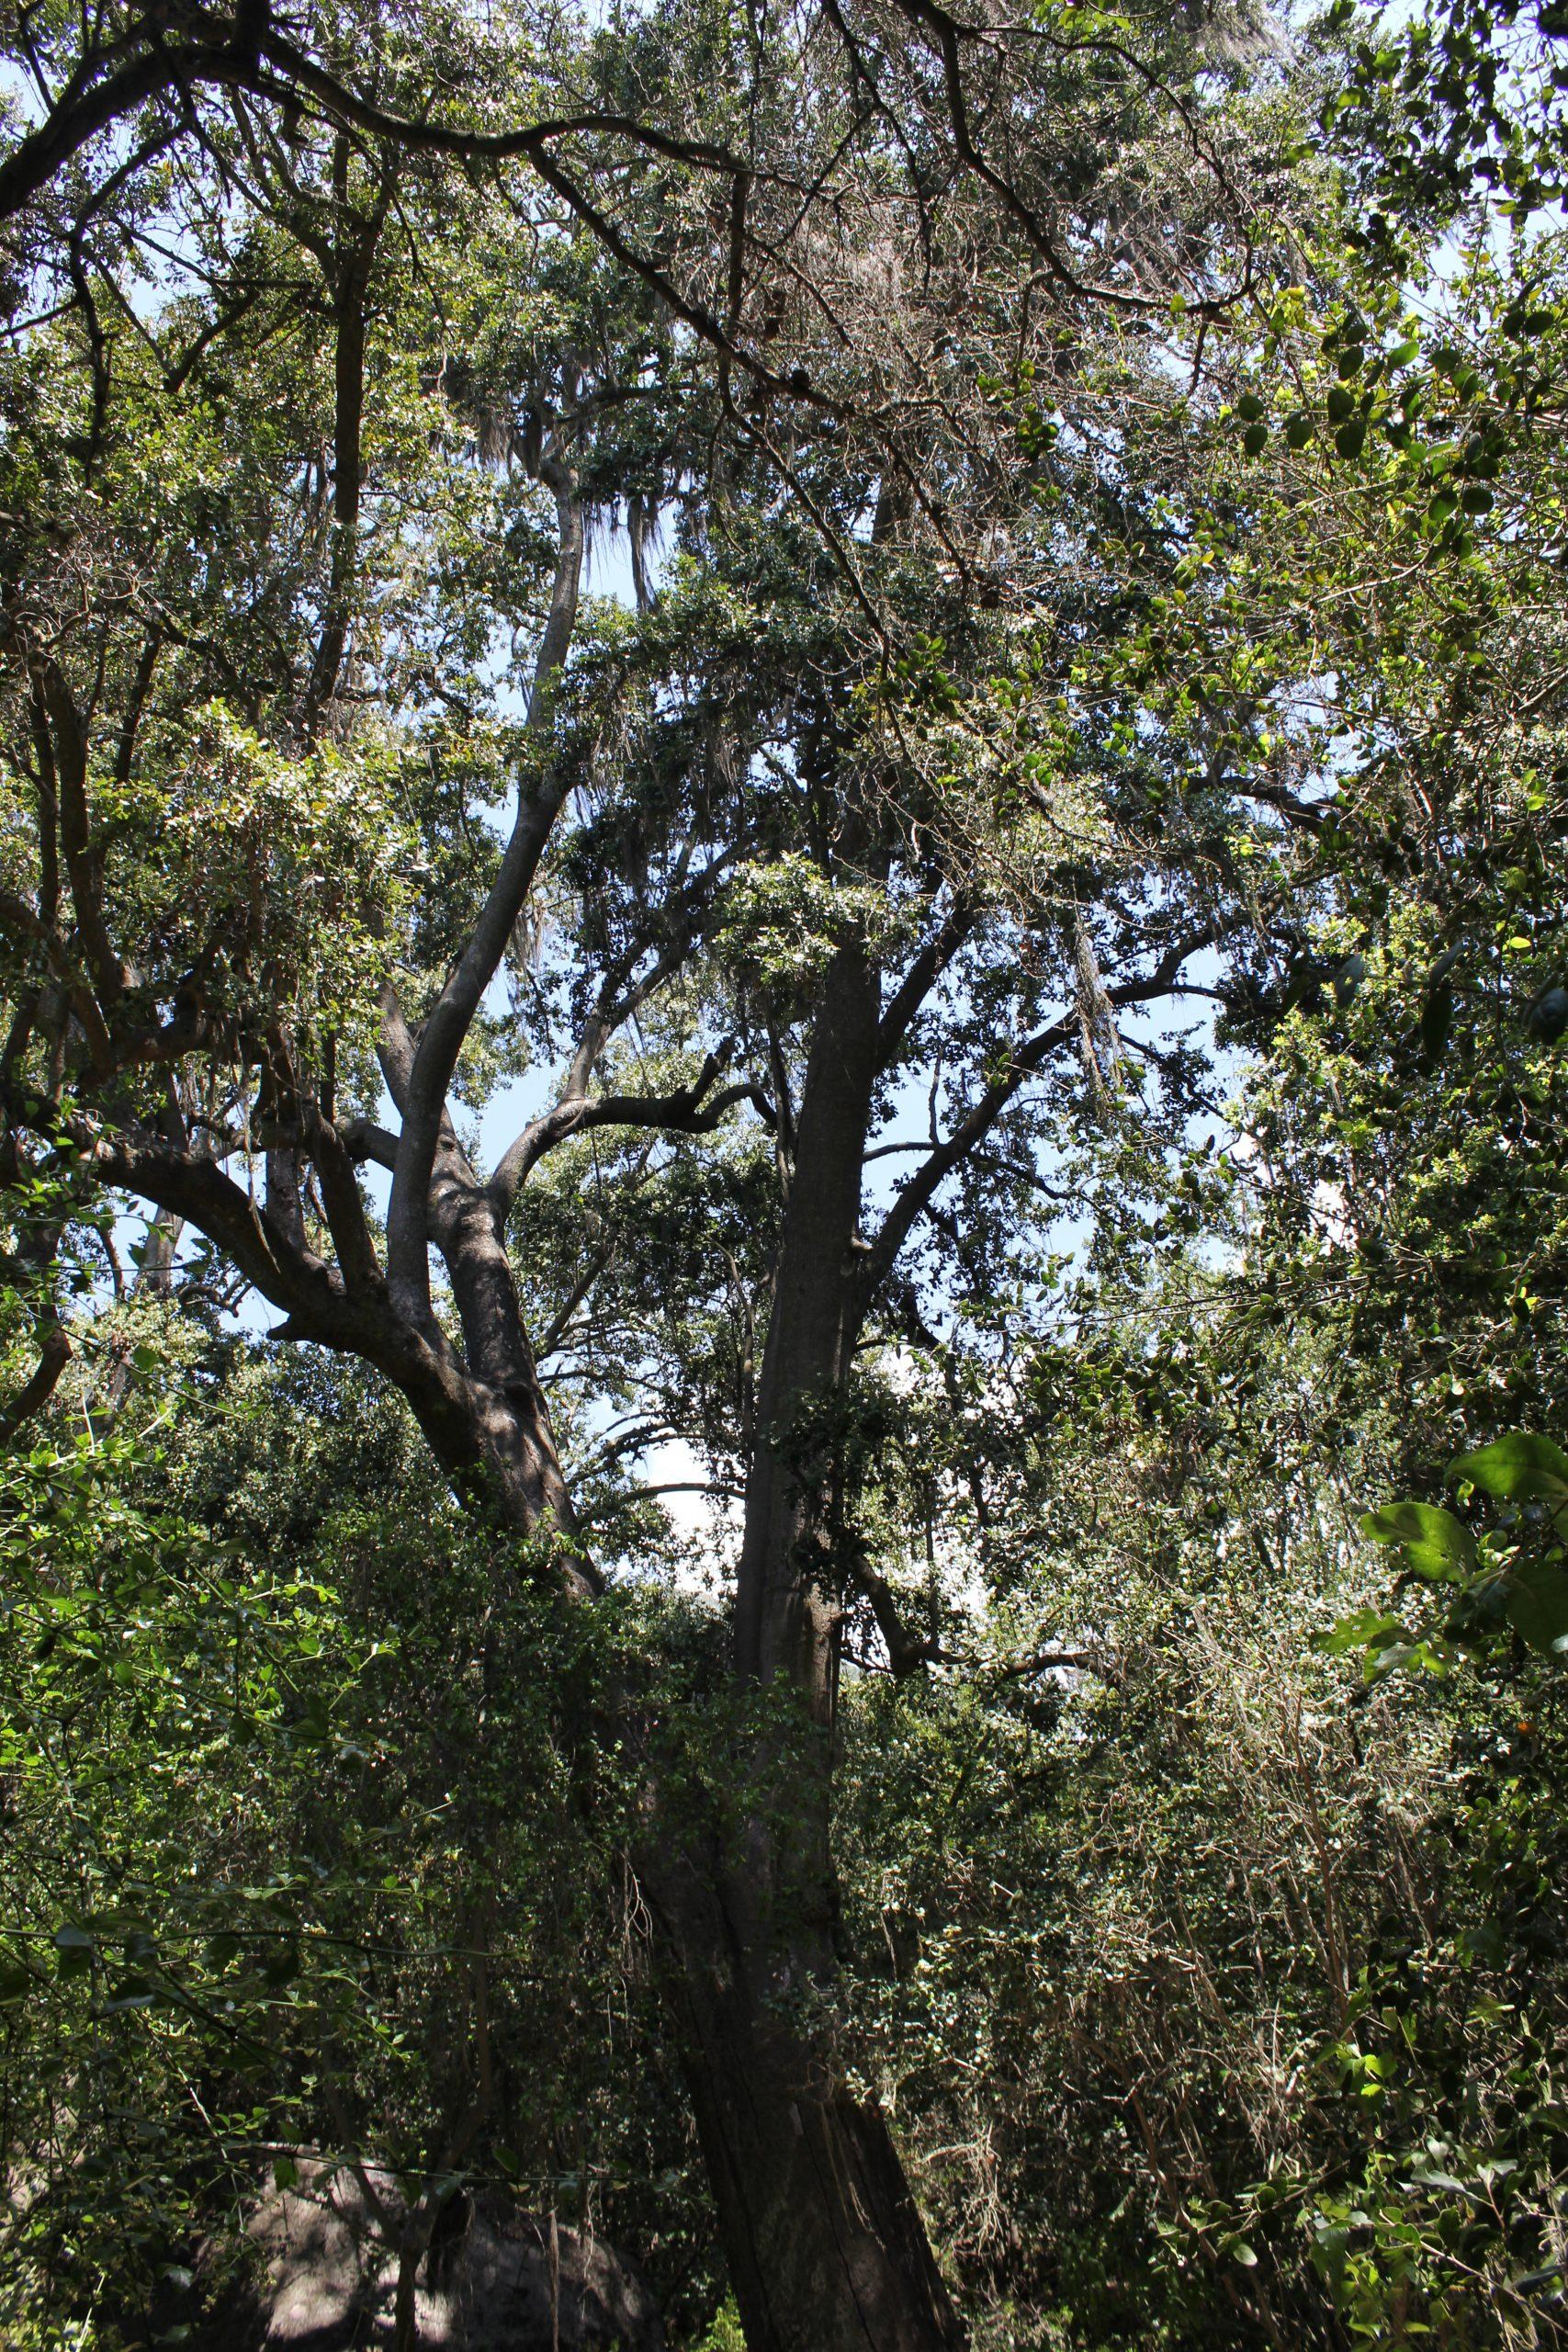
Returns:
(782,816)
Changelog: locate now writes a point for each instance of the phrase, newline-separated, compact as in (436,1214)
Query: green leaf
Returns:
(1515,1468)
(1537,1605)
(1363,1629)
(282,1966)
(132,1993)
(1297,430)
(1440,1538)
(76,1950)
(1351,438)
(285,2173)
(1255,440)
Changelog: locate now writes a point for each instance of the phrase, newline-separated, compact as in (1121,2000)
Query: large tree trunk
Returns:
(785,1621)
(826,2250)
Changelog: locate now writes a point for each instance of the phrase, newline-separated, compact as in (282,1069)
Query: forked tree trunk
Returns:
(827,2252)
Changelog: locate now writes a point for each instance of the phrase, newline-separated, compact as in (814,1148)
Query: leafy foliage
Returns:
(867,1145)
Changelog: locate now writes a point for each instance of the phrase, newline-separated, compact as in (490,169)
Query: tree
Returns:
(844,813)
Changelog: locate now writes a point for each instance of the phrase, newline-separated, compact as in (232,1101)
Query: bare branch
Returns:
(686,1114)
(1024,1063)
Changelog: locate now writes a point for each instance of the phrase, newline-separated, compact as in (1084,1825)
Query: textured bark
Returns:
(826,2250)
(467,1230)
(785,1618)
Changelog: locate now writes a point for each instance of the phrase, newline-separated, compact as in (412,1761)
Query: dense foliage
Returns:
(783,838)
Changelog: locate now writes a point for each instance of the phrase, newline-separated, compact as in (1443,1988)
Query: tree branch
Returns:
(1023,1065)
(441,1041)
(36,1391)
(922,977)
(686,1113)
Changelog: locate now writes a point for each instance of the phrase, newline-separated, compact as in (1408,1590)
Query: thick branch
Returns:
(92,106)
(907,1652)
(83,863)
(288,1276)
(363,1139)
(920,979)
(685,1114)
(441,1042)
(39,1386)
